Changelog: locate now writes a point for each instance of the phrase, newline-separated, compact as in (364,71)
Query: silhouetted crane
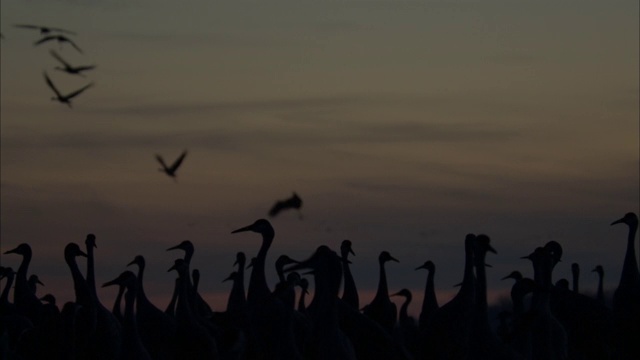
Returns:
(447,334)
(107,338)
(171,170)
(61,39)
(68,68)
(429,302)
(156,328)
(349,292)
(600,292)
(44,30)
(626,297)
(24,298)
(64,99)
(575,275)
(294,202)
(407,325)
(382,309)
(132,347)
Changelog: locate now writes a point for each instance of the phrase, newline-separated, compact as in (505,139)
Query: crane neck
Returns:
(630,275)
(383,290)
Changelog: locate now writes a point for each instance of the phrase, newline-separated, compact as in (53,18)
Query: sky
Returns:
(402,125)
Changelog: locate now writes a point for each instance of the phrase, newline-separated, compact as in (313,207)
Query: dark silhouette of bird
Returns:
(61,39)
(429,302)
(33,282)
(349,292)
(64,99)
(258,290)
(626,297)
(600,292)
(132,346)
(25,300)
(548,338)
(575,275)
(44,30)
(107,338)
(447,334)
(328,340)
(68,68)
(171,170)
(193,340)
(294,202)
(382,309)
(156,328)
(407,326)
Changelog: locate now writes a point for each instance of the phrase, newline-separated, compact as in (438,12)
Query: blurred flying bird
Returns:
(44,30)
(294,202)
(77,70)
(65,99)
(60,38)
(171,170)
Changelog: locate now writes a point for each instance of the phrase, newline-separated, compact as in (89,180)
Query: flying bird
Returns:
(74,70)
(294,202)
(60,38)
(65,99)
(171,170)
(44,30)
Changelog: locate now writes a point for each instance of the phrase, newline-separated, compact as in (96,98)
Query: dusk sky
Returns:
(402,125)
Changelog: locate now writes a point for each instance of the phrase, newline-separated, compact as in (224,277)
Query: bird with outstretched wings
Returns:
(294,202)
(171,170)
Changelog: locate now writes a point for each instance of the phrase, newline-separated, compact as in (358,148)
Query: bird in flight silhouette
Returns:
(44,30)
(68,68)
(60,38)
(65,99)
(294,202)
(171,170)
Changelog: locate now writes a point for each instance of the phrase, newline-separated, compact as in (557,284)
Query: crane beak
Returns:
(393,259)
(82,253)
(242,229)
(621,220)
(131,263)
(227,278)
(40,282)
(351,252)
(490,248)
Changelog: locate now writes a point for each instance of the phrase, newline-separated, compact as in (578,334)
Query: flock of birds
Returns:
(61,36)
(547,321)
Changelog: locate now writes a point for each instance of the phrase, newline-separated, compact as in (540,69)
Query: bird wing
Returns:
(83,68)
(45,39)
(59,58)
(161,160)
(294,202)
(77,92)
(61,30)
(27,26)
(277,207)
(72,43)
(176,164)
(53,87)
